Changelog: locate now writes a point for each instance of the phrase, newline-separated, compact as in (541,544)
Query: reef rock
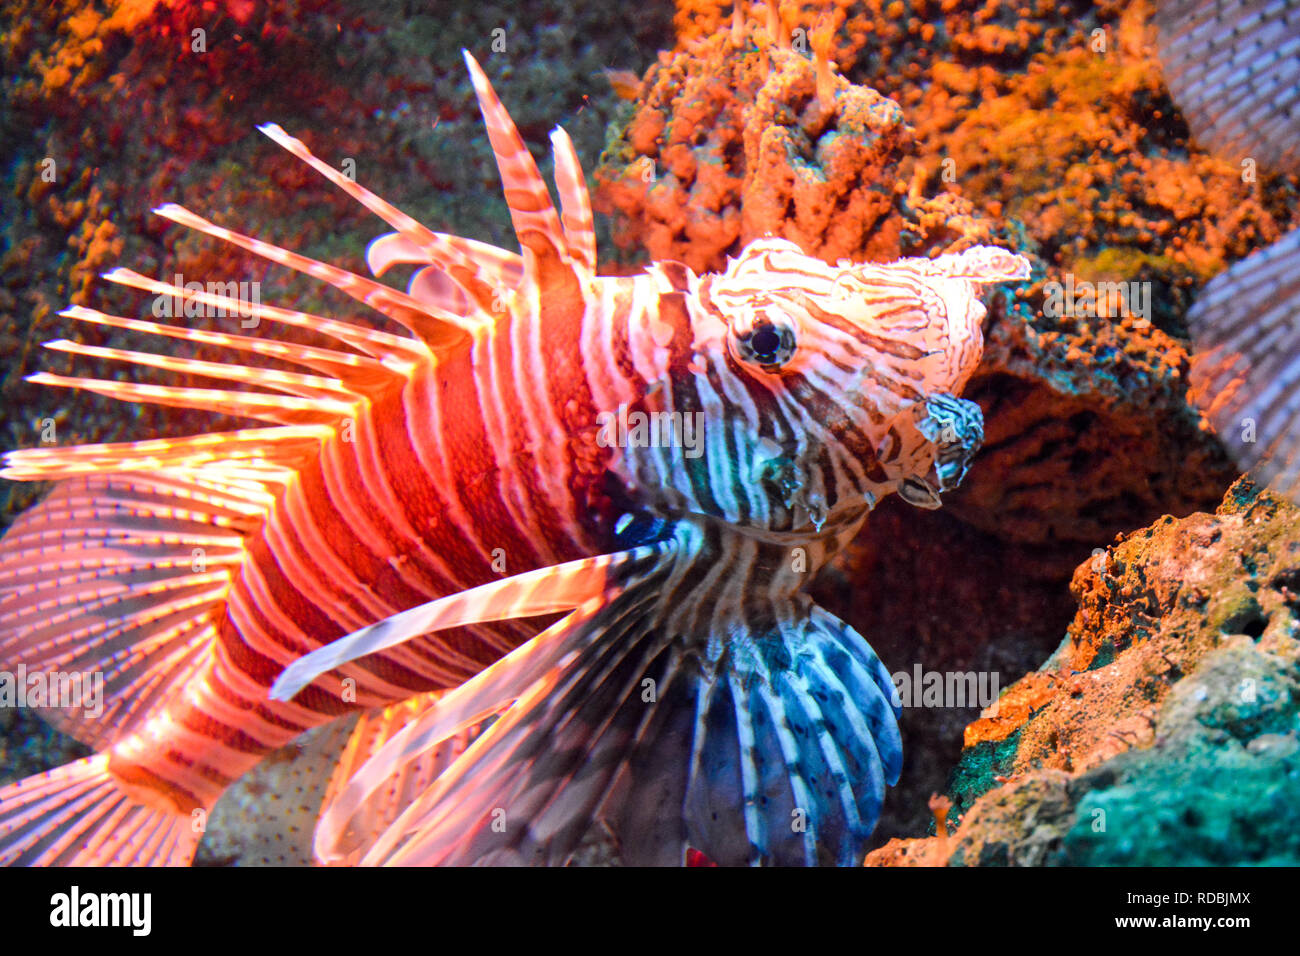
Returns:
(1165,730)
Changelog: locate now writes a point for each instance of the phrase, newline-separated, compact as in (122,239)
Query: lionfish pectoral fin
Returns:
(778,752)
(593,585)
(780,756)
(549,590)
(525,790)
(76,815)
(371,734)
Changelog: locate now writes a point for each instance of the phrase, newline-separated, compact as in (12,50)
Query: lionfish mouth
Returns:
(921,494)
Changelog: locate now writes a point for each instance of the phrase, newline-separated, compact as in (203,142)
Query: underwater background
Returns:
(1136,599)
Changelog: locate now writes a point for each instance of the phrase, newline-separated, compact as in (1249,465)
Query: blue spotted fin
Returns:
(768,747)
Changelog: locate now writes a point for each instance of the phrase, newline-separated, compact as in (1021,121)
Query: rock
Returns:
(1165,730)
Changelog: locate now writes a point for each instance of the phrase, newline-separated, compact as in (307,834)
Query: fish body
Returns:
(479,520)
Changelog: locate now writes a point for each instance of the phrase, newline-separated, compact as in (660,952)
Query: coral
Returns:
(738,137)
(1165,730)
(821,178)
(1054,115)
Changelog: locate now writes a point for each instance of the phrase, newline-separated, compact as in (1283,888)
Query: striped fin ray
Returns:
(434,331)
(310,387)
(548,256)
(814,696)
(475,269)
(382,346)
(1246,374)
(75,816)
(496,686)
(498,266)
(359,373)
(575,202)
(372,732)
(286,447)
(544,591)
(1234,70)
(124,576)
(284,409)
(460,276)
(451,823)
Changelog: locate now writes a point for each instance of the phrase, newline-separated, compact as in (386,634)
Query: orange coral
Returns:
(1009,713)
(1055,119)
(730,143)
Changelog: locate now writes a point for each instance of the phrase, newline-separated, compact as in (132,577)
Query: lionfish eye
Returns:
(767,344)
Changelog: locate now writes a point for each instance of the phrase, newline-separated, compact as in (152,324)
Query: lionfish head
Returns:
(823,388)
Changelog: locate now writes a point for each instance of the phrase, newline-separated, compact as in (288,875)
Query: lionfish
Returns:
(1234,71)
(618,623)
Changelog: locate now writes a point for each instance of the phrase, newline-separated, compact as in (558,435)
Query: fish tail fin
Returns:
(78,815)
(112,592)
(775,748)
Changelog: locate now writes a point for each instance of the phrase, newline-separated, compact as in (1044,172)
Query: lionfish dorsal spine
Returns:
(551,257)
(575,202)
